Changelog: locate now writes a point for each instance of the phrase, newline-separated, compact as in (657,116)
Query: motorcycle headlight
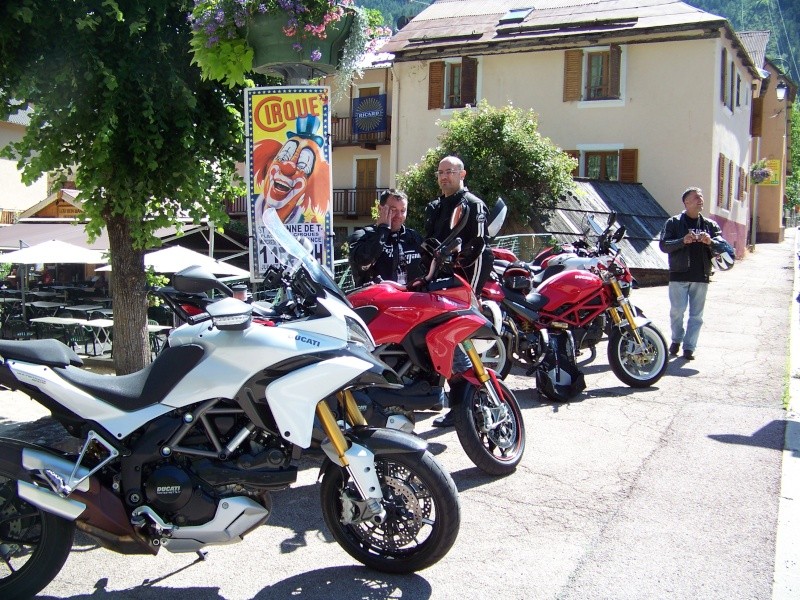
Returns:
(357,333)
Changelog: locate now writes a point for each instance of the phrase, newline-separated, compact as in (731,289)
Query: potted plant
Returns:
(289,38)
(759,172)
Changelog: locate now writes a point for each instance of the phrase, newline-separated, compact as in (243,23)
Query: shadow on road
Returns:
(320,584)
(771,436)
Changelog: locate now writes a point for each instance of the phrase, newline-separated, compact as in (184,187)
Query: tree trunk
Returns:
(129,295)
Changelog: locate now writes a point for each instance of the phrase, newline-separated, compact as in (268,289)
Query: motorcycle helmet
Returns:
(724,254)
(557,376)
(722,262)
(517,277)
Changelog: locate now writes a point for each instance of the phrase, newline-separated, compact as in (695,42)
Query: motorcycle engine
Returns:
(178,496)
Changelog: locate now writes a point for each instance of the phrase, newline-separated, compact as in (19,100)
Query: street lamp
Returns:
(780,90)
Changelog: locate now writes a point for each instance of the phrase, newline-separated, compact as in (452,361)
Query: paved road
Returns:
(670,492)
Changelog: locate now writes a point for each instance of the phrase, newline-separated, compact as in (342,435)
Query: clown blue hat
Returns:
(306,126)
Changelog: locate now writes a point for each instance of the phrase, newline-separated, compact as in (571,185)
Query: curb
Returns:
(786,578)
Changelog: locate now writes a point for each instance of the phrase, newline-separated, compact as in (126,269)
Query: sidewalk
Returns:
(787,543)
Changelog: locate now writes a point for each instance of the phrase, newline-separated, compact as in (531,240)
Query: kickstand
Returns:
(201,555)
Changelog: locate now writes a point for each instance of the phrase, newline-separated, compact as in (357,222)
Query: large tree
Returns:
(504,155)
(113,91)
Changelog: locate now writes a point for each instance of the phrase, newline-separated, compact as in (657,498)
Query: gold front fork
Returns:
(331,427)
(477,364)
(626,310)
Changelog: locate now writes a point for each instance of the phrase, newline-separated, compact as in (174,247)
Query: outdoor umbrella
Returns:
(177,258)
(54,252)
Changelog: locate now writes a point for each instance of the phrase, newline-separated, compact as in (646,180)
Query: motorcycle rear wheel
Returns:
(638,369)
(423,513)
(496,451)
(33,544)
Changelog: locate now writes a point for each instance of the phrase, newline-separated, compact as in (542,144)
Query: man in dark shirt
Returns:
(388,250)
(687,239)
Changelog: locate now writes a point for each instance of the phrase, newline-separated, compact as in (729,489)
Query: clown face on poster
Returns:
(289,168)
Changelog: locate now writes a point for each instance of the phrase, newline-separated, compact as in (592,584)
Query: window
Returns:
(723,88)
(452,83)
(602,165)
(593,74)
(607,165)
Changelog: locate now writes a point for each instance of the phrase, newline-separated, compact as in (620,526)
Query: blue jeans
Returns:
(681,294)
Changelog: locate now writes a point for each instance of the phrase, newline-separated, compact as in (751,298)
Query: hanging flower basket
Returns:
(759,172)
(295,39)
(274,53)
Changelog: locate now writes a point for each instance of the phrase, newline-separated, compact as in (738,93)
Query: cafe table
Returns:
(101,329)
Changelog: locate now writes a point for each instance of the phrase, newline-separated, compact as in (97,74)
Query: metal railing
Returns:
(525,246)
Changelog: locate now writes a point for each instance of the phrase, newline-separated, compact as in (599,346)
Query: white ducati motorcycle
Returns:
(184,453)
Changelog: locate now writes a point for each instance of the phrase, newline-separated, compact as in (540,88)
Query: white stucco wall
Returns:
(15,195)
(670,111)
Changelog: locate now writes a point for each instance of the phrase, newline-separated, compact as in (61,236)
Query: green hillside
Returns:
(780,17)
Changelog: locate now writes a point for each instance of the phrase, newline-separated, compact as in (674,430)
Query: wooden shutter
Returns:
(723,74)
(614,75)
(755,116)
(628,164)
(469,81)
(573,76)
(720,178)
(730,185)
(436,85)
(576,154)
(740,185)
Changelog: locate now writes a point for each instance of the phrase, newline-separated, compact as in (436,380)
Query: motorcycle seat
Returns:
(546,273)
(143,388)
(50,352)
(536,301)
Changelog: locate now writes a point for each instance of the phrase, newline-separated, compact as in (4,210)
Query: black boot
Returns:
(446,420)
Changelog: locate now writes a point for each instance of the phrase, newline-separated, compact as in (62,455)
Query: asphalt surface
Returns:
(683,490)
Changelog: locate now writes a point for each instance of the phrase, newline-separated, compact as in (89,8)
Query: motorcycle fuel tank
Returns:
(569,287)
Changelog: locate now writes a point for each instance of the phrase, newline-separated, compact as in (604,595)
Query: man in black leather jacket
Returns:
(686,238)
(389,250)
(474,239)
(474,235)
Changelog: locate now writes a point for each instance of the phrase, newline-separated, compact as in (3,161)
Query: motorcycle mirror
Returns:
(497,217)
(618,234)
(196,279)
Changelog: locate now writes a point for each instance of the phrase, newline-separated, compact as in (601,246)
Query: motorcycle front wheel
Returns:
(493,436)
(33,544)
(636,366)
(423,513)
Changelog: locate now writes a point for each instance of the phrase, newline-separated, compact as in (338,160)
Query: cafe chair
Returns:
(17,329)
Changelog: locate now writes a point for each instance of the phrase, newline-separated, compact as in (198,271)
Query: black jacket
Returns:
(437,225)
(671,242)
(377,252)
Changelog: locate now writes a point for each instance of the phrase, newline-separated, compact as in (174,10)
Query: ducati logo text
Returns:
(307,340)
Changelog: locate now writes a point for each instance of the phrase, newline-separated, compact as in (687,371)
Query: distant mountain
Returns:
(780,17)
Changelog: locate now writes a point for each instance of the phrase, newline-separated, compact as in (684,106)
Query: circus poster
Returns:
(289,168)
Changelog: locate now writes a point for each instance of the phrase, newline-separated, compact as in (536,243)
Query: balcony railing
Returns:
(347,203)
(354,204)
(342,133)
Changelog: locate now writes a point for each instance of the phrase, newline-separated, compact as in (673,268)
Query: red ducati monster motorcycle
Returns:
(417,330)
(569,310)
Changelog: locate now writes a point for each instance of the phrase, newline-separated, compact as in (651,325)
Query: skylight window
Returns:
(515,15)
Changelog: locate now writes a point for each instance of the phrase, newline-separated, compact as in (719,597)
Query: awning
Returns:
(41,230)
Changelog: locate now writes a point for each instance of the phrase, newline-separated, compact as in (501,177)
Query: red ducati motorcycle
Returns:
(578,303)
(417,330)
